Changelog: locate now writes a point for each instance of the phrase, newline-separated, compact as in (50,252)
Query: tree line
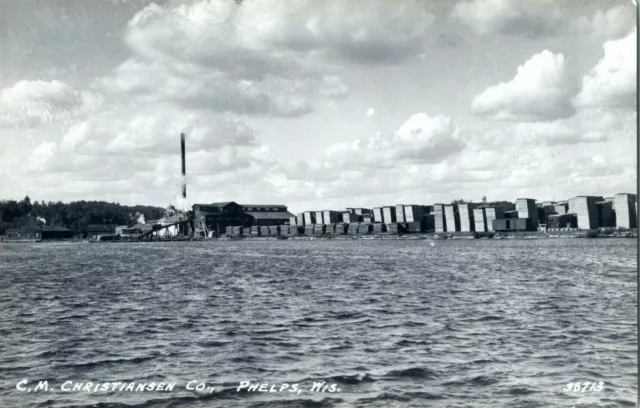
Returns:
(76,215)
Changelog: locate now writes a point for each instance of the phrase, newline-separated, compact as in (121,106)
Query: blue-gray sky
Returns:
(317,104)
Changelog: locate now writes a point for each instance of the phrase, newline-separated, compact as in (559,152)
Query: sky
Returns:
(317,104)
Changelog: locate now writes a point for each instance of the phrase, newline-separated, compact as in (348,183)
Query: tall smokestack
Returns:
(184,167)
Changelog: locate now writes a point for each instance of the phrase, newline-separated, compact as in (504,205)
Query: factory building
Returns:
(491,214)
(267,214)
(331,217)
(586,210)
(320,217)
(95,230)
(440,220)
(467,220)
(480,219)
(38,234)
(377,214)
(216,217)
(309,218)
(349,217)
(23,234)
(414,213)
(561,207)
(452,217)
(133,230)
(354,215)
(562,221)
(52,233)
(626,206)
(400,216)
(544,211)
(526,208)
(512,225)
(611,199)
(606,216)
(388,215)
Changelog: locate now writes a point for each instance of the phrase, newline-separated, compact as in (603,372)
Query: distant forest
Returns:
(75,215)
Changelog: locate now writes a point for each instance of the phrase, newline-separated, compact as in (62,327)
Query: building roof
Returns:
(264,205)
(278,215)
(221,204)
(58,228)
(173,219)
(32,229)
(218,206)
(101,227)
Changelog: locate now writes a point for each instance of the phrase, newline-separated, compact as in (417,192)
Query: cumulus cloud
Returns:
(131,129)
(592,127)
(204,88)
(612,82)
(532,18)
(539,18)
(371,167)
(30,104)
(209,68)
(257,57)
(421,139)
(142,143)
(615,22)
(539,91)
(208,31)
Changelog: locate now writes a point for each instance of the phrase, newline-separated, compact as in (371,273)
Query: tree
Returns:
(25,206)
(76,215)
(484,199)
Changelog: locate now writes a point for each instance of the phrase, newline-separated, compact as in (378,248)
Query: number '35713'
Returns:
(584,387)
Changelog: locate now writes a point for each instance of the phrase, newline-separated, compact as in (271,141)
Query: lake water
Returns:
(467,323)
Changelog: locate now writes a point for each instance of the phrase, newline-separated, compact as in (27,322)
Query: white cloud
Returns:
(539,91)
(421,139)
(155,129)
(29,104)
(231,34)
(200,87)
(612,82)
(538,18)
(593,127)
(141,142)
(258,57)
(531,18)
(185,66)
(615,22)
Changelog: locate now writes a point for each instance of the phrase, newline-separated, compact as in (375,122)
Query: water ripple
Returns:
(392,323)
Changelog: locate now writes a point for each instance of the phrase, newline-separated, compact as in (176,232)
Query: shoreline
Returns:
(574,234)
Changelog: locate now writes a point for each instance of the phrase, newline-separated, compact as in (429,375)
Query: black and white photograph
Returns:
(318,203)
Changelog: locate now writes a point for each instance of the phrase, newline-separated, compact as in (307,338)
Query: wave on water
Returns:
(390,324)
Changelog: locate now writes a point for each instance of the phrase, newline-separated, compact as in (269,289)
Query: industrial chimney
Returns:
(184,167)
